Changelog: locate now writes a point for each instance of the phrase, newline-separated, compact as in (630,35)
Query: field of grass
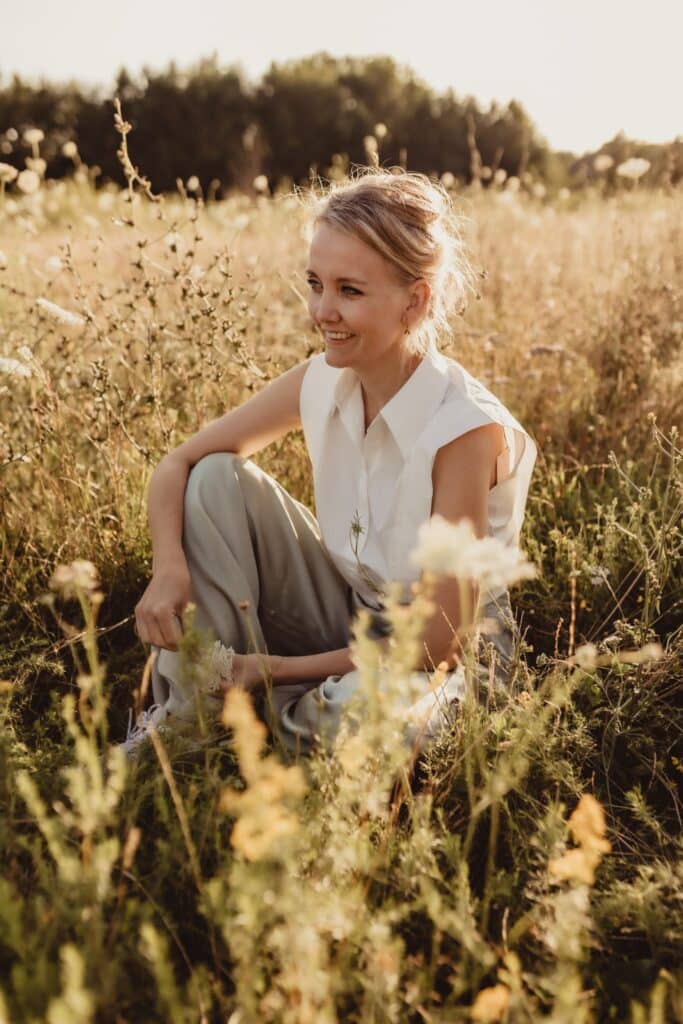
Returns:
(228,886)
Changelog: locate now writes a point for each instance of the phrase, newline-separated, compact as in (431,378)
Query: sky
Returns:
(582,69)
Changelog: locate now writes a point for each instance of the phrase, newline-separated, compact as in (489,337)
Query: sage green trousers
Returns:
(263,581)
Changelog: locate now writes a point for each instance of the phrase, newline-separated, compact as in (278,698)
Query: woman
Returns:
(395,431)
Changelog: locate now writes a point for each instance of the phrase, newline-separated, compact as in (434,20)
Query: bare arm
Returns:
(464,471)
(247,429)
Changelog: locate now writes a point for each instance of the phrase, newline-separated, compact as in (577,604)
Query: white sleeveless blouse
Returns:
(374,490)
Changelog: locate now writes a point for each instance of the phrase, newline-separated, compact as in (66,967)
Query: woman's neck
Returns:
(379,383)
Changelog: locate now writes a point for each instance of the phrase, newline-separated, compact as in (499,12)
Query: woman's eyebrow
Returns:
(356,280)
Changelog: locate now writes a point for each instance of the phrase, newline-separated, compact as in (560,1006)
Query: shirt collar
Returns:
(408,412)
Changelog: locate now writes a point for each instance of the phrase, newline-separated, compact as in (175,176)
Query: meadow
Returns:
(528,867)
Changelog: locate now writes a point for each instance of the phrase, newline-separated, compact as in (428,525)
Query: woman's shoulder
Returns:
(468,404)
(468,397)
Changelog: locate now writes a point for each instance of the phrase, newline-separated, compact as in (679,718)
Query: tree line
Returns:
(315,115)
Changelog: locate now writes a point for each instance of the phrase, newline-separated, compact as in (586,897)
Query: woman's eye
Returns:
(346,288)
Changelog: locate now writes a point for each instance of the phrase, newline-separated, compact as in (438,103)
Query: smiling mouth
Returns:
(338,336)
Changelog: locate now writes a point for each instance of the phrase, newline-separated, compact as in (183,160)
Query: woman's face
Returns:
(355,299)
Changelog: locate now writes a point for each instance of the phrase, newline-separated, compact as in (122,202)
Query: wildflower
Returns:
(586,656)
(491,1003)
(70,150)
(512,184)
(587,824)
(500,176)
(635,167)
(14,367)
(486,172)
(33,136)
(28,181)
(53,264)
(260,183)
(263,820)
(587,827)
(603,162)
(192,183)
(37,164)
(64,316)
(7,173)
(453,549)
(380,130)
(448,179)
(79,575)
(353,754)
(173,241)
(648,652)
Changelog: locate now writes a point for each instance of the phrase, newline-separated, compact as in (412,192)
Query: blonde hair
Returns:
(410,221)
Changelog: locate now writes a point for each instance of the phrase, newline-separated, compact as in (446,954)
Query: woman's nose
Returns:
(325,311)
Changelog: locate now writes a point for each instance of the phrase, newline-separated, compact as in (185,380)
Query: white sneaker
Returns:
(179,713)
(139,734)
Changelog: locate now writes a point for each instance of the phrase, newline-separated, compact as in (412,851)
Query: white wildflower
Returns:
(453,549)
(260,183)
(174,241)
(70,150)
(380,130)
(37,164)
(633,168)
(485,173)
(7,172)
(32,136)
(80,574)
(603,162)
(192,183)
(53,264)
(28,182)
(14,367)
(586,656)
(500,176)
(448,179)
(64,316)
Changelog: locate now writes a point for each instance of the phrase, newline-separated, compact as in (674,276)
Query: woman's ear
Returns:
(420,293)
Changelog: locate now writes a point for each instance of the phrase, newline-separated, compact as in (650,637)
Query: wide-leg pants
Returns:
(263,581)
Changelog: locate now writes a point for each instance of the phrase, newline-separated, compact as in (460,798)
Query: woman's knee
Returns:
(215,473)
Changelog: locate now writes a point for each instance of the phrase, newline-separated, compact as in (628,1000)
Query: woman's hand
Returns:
(162,605)
(248,671)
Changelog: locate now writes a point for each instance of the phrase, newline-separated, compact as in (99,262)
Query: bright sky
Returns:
(582,69)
